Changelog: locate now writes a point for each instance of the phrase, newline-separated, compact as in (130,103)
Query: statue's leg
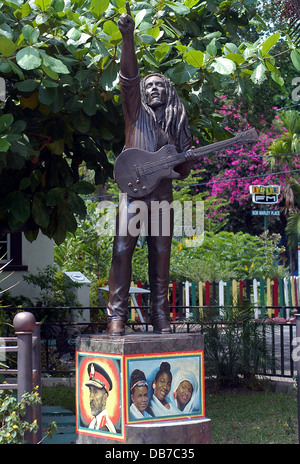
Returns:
(120,277)
(159,245)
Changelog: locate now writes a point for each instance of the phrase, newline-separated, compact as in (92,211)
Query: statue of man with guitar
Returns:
(157,149)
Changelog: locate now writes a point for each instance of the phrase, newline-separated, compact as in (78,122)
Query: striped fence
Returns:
(269,298)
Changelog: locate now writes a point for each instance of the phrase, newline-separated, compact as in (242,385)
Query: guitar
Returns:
(137,172)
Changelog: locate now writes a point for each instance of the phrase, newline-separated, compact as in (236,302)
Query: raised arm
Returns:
(128,63)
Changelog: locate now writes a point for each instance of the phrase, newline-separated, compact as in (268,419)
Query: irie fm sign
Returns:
(264,194)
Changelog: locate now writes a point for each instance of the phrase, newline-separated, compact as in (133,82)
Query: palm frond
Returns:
(293,230)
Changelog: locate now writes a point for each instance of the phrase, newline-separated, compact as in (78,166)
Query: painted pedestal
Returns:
(108,362)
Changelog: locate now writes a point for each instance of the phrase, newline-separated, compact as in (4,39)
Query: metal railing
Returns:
(27,345)
(58,342)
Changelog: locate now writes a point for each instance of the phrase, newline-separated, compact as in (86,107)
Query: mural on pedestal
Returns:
(164,386)
(113,390)
(98,395)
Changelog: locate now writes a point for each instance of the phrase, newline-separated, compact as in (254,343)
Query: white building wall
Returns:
(36,255)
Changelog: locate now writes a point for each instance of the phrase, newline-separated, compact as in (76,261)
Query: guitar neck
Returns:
(202,151)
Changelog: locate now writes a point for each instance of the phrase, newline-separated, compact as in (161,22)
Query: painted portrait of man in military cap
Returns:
(99,385)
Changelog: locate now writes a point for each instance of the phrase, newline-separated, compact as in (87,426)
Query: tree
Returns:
(59,60)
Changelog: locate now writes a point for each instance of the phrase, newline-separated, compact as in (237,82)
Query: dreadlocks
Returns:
(174,121)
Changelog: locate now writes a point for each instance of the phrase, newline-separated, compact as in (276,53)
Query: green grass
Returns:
(237,416)
(252,417)
(59,396)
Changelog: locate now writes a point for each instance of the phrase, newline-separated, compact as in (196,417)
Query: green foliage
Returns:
(56,290)
(87,251)
(60,62)
(293,230)
(225,256)
(235,349)
(12,426)
(221,255)
(289,141)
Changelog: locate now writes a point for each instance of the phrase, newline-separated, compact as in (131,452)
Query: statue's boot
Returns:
(116,328)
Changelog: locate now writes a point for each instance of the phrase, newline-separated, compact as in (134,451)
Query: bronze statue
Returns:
(157,149)
(154,117)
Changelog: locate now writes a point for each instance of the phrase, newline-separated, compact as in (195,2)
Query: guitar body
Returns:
(137,172)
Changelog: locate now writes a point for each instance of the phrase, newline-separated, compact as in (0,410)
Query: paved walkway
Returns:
(65,421)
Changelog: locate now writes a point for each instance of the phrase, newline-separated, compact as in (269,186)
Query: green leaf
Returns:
(181,73)
(139,17)
(211,48)
(259,74)
(269,43)
(7,47)
(30,34)
(109,78)
(5,67)
(59,5)
(194,58)
(20,207)
(16,69)
(4,144)
(25,183)
(224,66)
(50,73)
(295,57)
(55,196)
(149,58)
(27,86)
(277,78)
(54,64)
(162,51)
(65,217)
(178,8)
(43,4)
(111,29)
(98,7)
(81,122)
(6,120)
(83,187)
(40,213)
(236,57)
(31,235)
(89,103)
(28,58)
(77,204)
(46,96)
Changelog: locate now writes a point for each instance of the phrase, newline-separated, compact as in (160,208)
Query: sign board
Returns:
(258,212)
(264,194)
(78,277)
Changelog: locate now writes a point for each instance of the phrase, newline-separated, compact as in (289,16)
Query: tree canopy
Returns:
(59,63)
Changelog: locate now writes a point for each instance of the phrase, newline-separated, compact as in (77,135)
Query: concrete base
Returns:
(184,432)
(120,356)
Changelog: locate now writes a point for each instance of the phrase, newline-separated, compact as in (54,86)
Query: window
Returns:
(4,248)
(11,250)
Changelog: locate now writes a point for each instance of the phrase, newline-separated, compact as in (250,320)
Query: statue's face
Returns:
(155,91)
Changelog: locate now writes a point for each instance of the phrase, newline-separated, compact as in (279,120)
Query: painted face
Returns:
(139,397)
(155,91)
(98,397)
(162,386)
(184,393)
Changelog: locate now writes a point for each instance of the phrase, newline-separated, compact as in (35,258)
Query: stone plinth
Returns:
(109,364)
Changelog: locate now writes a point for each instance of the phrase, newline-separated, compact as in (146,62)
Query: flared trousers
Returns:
(155,215)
